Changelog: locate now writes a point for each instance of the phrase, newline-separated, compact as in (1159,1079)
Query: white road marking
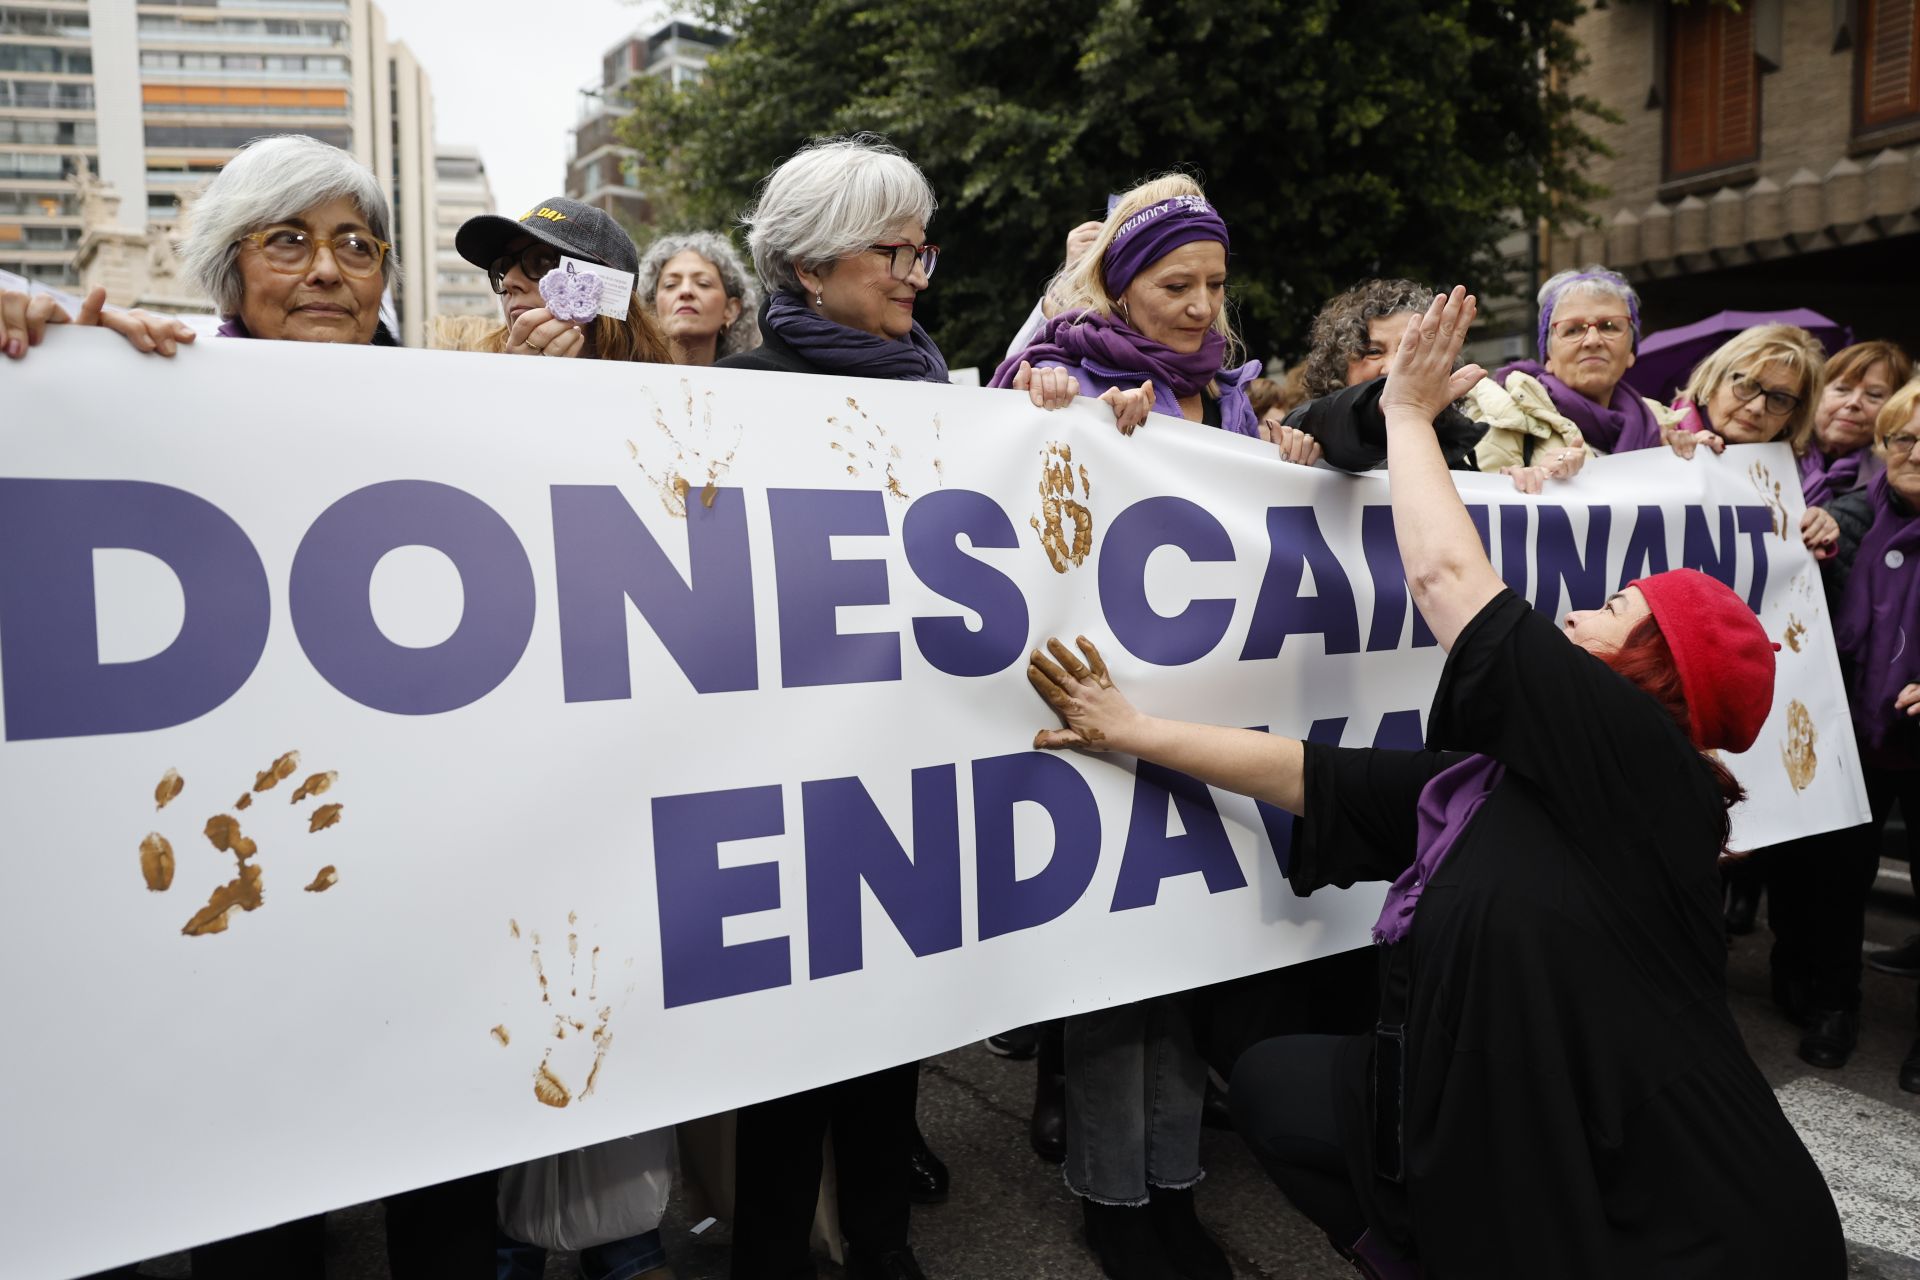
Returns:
(1870,1154)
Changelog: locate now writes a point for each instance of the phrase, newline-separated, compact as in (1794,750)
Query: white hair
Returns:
(833,197)
(744,333)
(269,181)
(1592,278)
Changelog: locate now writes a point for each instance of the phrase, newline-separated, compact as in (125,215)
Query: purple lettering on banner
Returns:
(1278,822)
(1135,535)
(848,842)
(1562,562)
(1151,855)
(811,585)
(54,682)
(1646,545)
(1515,532)
(1756,522)
(1390,596)
(929,534)
(696,894)
(604,556)
(1294,542)
(1399,731)
(1007,903)
(333,613)
(1697,550)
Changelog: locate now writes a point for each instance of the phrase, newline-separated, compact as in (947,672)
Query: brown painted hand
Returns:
(1097,715)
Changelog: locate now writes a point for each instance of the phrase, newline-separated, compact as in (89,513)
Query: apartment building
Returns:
(599,172)
(114,114)
(1765,157)
(464,192)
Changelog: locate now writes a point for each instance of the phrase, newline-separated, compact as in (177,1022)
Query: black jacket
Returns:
(773,353)
(1353,432)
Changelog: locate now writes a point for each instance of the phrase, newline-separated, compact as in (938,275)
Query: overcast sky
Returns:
(507,74)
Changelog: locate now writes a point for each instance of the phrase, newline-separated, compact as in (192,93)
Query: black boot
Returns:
(1123,1238)
(1048,1131)
(1831,1035)
(1910,1069)
(1902,961)
(927,1177)
(1190,1250)
(896,1264)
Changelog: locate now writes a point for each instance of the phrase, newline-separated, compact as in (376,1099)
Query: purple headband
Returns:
(1611,277)
(1153,232)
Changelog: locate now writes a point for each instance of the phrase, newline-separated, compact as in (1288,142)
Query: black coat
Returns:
(1353,432)
(1577,1101)
(773,353)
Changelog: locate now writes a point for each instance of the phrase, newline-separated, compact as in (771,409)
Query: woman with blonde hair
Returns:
(1143,323)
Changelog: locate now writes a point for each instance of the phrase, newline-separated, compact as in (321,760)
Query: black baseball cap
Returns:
(578,230)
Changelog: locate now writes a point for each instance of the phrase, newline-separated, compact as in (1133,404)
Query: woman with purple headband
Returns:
(1143,324)
(1572,398)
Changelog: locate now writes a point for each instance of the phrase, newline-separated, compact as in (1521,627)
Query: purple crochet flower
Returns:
(573,296)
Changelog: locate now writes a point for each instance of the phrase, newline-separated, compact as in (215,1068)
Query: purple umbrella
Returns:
(1666,358)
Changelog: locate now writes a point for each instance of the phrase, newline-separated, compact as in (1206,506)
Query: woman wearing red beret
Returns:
(1555,1086)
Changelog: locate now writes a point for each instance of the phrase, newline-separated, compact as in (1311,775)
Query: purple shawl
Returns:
(1623,424)
(1878,625)
(837,348)
(1447,804)
(1822,481)
(1104,352)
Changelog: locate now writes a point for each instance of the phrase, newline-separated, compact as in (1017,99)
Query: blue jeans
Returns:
(619,1260)
(1135,1087)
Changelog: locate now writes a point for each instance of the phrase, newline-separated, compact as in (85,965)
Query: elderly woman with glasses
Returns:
(839,239)
(290,240)
(1820,884)
(1572,400)
(703,295)
(517,254)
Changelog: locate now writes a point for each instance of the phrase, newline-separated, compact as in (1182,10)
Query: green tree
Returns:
(1339,139)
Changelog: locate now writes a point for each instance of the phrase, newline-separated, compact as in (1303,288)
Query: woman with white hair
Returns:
(291,240)
(839,239)
(1572,399)
(705,300)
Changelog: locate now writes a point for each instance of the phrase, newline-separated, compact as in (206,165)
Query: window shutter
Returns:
(1713,89)
(1890,73)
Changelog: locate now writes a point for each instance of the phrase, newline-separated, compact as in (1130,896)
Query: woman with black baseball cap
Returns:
(517,253)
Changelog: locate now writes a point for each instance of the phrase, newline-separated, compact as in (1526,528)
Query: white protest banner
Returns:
(419,762)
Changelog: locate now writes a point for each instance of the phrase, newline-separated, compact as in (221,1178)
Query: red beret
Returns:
(1723,655)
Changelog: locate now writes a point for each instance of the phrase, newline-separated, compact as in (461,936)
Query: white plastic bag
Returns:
(595,1195)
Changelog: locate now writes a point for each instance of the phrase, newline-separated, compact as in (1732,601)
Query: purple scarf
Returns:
(1447,804)
(1624,424)
(1115,354)
(1823,481)
(1878,626)
(839,349)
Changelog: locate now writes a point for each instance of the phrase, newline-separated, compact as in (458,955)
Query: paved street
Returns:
(1010,1215)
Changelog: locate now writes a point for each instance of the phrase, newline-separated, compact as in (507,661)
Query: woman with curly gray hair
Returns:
(1357,332)
(705,298)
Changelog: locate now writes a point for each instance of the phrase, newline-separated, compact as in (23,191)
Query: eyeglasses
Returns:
(1902,443)
(1746,390)
(902,256)
(534,261)
(1611,329)
(291,250)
